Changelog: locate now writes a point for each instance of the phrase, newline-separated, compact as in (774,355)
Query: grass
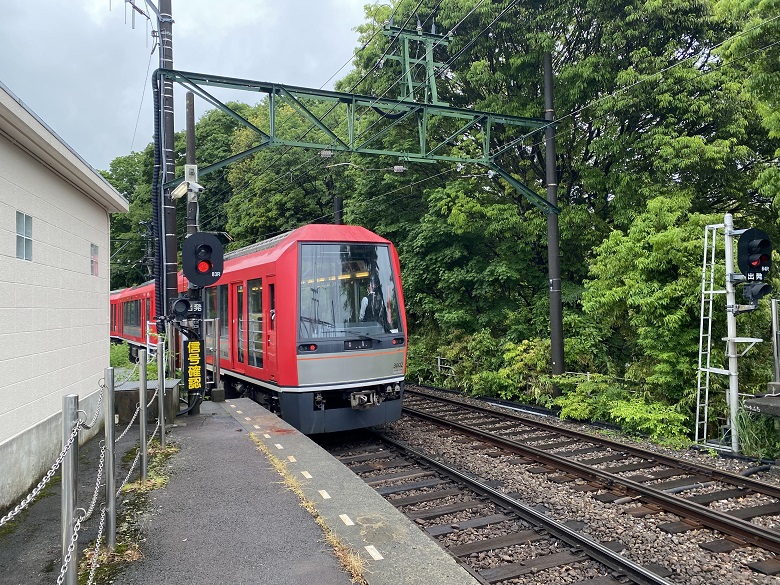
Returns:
(349,559)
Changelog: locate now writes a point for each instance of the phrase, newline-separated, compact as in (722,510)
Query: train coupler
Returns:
(364,399)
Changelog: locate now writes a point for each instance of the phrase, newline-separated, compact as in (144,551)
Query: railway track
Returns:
(742,510)
(496,536)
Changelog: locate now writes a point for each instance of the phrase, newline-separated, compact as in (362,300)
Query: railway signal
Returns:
(754,258)
(184,308)
(202,259)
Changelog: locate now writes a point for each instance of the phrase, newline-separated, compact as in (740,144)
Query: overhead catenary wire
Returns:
(640,81)
(354,86)
(473,9)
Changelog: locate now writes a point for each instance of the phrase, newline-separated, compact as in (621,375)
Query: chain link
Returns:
(152,400)
(96,553)
(97,409)
(49,474)
(71,547)
(137,457)
(132,420)
(98,485)
(129,473)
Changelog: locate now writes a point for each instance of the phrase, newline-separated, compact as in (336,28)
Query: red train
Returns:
(311,325)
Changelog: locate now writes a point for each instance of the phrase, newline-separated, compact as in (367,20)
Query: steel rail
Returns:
(710,472)
(595,550)
(729,525)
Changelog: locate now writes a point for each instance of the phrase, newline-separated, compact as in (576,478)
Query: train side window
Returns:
(272,305)
(211,303)
(255,349)
(132,318)
(222,312)
(148,311)
(240,321)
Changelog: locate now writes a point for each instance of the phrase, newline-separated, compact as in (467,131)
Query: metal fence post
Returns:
(161,389)
(110,433)
(142,408)
(70,407)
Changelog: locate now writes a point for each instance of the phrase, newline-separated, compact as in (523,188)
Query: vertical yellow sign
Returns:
(194,373)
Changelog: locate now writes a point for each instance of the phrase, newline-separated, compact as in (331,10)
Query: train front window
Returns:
(347,290)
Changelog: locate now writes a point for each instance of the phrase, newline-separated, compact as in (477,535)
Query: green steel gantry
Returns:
(353,141)
(350,109)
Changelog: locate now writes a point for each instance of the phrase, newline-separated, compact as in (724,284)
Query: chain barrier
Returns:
(99,407)
(49,474)
(96,552)
(85,514)
(97,483)
(127,379)
(135,415)
(137,457)
(130,424)
(71,547)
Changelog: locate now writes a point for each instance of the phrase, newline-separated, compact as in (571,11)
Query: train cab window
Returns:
(255,348)
(347,290)
(222,313)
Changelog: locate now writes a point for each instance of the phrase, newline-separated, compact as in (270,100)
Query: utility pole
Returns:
(553,237)
(169,205)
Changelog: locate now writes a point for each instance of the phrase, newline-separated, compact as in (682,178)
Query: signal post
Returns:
(202,263)
(754,260)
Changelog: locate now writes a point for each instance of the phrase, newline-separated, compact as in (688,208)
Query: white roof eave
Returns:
(27,131)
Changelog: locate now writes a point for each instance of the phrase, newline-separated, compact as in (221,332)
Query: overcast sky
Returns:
(82,68)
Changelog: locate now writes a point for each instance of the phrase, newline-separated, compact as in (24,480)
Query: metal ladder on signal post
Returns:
(706,369)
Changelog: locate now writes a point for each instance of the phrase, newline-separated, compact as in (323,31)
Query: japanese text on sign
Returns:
(193,352)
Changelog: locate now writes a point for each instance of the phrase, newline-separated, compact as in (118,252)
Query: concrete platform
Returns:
(396,550)
(227,517)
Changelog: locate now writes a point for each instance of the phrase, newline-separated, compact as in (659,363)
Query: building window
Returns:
(93,256)
(23,236)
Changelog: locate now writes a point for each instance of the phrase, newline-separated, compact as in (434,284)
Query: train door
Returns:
(238,326)
(270,345)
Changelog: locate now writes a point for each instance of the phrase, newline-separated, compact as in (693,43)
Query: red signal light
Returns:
(204,266)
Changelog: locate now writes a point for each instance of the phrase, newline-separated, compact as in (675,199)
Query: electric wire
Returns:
(601,116)
(270,165)
(143,94)
(644,79)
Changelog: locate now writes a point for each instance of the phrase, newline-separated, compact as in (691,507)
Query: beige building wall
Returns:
(54,313)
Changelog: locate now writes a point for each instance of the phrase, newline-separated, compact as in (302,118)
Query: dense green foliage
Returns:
(667,118)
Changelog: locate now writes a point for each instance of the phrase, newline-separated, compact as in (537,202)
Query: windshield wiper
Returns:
(363,335)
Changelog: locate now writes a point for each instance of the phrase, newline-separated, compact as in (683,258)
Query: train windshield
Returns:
(347,290)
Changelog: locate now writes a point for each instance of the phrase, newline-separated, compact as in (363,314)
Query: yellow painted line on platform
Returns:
(257,426)
(266,435)
(291,459)
(278,446)
(371,549)
(232,406)
(306,474)
(325,495)
(239,412)
(346,520)
(247,418)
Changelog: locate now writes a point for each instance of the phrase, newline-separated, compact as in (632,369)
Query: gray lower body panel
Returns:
(298,410)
